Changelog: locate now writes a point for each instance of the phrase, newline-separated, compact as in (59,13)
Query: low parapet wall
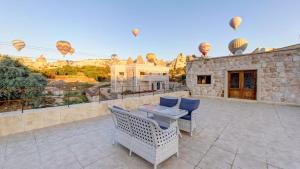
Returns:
(15,122)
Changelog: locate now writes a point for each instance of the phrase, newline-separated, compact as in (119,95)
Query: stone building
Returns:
(272,76)
(138,76)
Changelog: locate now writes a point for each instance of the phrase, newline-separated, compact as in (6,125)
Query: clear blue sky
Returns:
(168,27)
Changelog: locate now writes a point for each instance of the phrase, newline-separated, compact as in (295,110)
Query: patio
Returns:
(229,135)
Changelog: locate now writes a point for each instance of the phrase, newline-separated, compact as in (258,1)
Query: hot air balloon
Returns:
(204,48)
(18,44)
(151,57)
(238,46)
(72,51)
(63,47)
(235,22)
(135,32)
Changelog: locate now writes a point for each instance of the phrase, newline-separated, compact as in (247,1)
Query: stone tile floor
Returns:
(229,135)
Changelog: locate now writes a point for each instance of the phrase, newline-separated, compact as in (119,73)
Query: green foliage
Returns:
(75,97)
(95,72)
(17,81)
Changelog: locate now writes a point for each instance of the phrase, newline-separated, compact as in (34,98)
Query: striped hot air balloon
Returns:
(135,32)
(72,51)
(63,47)
(235,22)
(204,48)
(238,46)
(18,44)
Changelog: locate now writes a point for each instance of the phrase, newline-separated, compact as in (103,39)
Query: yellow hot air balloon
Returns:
(63,47)
(135,32)
(238,46)
(72,51)
(18,44)
(204,48)
(235,22)
(151,57)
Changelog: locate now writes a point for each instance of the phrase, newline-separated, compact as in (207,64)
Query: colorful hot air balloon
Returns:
(235,22)
(238,46)
(63,47)
(135,32)
(204,48)
(18,44)
(72,51)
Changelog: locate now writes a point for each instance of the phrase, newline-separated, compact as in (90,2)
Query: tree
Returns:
(17,81)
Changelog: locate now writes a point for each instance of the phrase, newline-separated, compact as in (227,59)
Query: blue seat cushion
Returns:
(168,102)
(163,127)
(186,117)
(189,104)
(120,108)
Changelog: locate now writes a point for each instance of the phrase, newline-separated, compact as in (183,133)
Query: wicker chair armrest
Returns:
(165,136)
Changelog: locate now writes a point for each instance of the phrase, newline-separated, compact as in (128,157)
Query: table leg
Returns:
(178,131)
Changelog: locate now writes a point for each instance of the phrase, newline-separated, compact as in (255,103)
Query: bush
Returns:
(17,81)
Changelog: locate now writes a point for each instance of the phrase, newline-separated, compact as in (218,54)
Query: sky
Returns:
(100,28)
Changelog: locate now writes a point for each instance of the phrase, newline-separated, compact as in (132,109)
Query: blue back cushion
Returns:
(189,104)
(168,102)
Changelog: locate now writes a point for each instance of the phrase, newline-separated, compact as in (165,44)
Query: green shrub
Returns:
(17,81)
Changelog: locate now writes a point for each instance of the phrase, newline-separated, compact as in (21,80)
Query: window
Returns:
(121,73)
(235,80)
(142,73)
(249,81)
(204,79)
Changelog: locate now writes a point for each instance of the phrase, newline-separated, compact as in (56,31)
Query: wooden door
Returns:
(242,84)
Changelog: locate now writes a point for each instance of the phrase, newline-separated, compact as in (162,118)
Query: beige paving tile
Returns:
(216,158)
(175,163)
(190,156)
(261,134)
(248,162)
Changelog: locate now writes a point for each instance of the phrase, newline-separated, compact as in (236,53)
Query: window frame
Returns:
(204,77)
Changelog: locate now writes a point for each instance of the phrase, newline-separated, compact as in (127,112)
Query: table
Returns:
(171,113)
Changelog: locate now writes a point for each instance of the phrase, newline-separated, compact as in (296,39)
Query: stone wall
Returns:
(278,75)
(14,122)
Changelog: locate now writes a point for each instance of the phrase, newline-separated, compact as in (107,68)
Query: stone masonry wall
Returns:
(278,75)
(15,122)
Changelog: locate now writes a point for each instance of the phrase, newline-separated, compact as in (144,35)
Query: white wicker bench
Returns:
(123,132)
(147,138)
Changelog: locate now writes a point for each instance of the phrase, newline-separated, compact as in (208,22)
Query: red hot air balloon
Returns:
(135,32)
(63,47)
(204,48)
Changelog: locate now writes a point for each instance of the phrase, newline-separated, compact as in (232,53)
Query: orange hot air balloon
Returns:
(72,51)
(63,47)
(235,22)
(135,32)
(238,46)
(204,48)
(18,44)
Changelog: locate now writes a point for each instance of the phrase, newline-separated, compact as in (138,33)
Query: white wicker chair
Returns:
(151,142)
(188,122)
(188,125)
(123,132)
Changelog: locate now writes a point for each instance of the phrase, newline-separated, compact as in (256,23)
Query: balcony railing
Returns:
(66,95)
